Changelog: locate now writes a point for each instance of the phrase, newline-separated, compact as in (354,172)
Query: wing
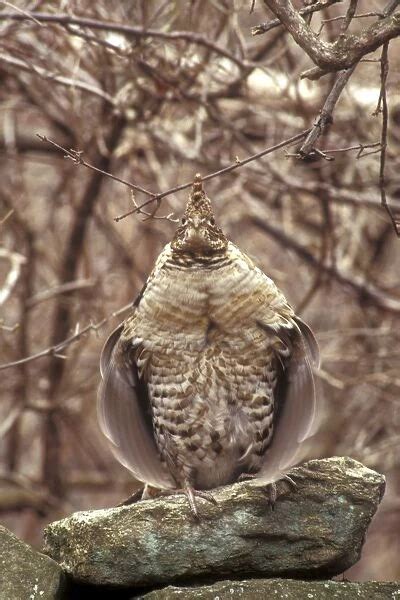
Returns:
(310,342)
(123,410)
(295,401)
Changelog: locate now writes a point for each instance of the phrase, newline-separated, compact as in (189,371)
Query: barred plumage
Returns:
(210,377)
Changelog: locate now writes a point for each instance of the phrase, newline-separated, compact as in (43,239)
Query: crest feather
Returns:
(198,202)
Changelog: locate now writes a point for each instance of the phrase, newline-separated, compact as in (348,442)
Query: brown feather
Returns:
(123,413)
(295,413)
(309,340)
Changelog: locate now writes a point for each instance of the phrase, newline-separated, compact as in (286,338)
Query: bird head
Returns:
(198,232)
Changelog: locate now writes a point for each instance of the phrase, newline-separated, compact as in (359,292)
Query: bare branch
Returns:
(346,50)
(306,10)
(325,117)
(66,288)
(56,349)
(343,18)
(383,106)
(333,193)
(360,147)
(349,15)
(66,81)
(8,328)
(76,157)
(6,216)
(228,169)
(170,217)
(357,284)
(16,260)
(9,421)
(22,12)
(128,30)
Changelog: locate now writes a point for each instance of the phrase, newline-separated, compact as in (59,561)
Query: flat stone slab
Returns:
(26,574)
(281,589)
(315,531)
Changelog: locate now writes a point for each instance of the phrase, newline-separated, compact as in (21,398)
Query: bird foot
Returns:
(271,492)
(246,477)
(149,492)
(191,495)
(270,489)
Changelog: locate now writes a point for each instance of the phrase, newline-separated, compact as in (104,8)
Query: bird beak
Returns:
(194,232)
(195,221)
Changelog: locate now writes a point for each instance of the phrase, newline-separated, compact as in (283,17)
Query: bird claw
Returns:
(271,490)
(189,492)
(290,481)
(246,477)
(191,495)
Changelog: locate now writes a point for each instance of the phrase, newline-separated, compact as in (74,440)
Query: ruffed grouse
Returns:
(210,377)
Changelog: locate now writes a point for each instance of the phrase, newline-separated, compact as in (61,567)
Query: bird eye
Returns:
(211,221)
(184,220)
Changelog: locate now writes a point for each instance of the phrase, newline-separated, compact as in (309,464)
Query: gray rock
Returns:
(315,531)
(281,589)
(26,574)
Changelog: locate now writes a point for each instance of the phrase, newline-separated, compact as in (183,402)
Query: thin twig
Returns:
(351,11)
(127,30)
(307,10)
(77,157)
(346,51)
(325,116)
(318,72)
(27,14)
(65,288)
(152,215)
(16,262)
(8,328)
(338,196)
(358,284)
(56,349)
(383,107)
(235,165)
(92,38)
(48,75)
(342,17)
(6,216)
(359,147)
(9,420)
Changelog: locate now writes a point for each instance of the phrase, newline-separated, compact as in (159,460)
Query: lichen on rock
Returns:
(281,589)
(315,531)
(26,574)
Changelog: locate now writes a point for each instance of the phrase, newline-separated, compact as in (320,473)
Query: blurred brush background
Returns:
(156,109)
